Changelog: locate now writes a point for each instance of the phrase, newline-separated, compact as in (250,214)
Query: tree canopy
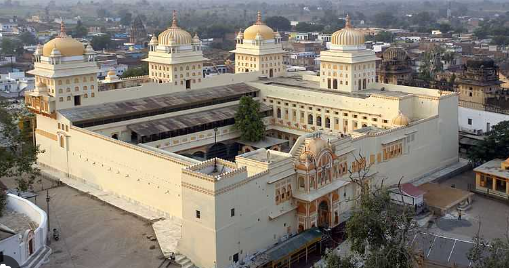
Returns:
(102,42)
(138,71)
(27,38)
(249,120)
(308,27)
(494,145)
(11,46)
(278,23)
(80,30)
(17,151)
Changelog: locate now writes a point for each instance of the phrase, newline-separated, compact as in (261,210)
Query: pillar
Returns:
(477,180)
(507,186)
(494,184)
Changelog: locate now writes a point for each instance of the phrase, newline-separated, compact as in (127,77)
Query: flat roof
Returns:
(15,222)
(298,82)
(443,197)
(153,105)
(265,143)
(187,120)
(494,168)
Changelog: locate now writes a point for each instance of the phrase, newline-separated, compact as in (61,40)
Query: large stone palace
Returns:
(167,142)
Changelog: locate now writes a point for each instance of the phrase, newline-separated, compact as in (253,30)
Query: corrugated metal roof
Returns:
(149,106)
(188,120)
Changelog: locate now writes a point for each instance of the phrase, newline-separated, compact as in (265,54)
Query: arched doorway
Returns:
(199,155)
(271,73)
(323,214)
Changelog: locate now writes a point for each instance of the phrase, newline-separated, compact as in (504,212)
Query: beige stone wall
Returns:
(260,63)
(347,76)
(122,170)
(176,73)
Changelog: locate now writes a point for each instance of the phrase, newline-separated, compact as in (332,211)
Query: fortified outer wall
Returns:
(142,176)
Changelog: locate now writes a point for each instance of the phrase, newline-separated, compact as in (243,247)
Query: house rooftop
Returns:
(493,167)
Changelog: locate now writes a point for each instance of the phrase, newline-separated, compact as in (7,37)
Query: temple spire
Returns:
(348,23)
(174,21)
(62,29)
(259,18)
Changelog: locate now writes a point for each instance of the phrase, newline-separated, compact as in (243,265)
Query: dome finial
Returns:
(62,29)
(174,21)
(259,18)
(348,23)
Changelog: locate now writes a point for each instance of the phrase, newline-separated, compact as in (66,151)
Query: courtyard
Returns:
(491,214)
(93,233)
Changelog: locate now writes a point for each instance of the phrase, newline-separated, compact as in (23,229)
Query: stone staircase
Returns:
(299,151)
(40,257)
(184,262)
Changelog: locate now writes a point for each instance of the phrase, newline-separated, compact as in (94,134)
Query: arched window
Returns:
(310,119)
(302,183)
(327,122)
(319,121)
(278,113)
(335,83)
(277,196)
(62,141)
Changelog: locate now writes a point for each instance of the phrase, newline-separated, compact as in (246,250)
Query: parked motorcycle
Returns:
(56,234)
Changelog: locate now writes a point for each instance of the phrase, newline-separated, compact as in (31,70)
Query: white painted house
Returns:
(23,233)
(478,121)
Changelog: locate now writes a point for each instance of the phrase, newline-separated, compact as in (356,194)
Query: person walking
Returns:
(459,214)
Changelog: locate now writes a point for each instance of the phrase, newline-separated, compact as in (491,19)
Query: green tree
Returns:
(378,230)
(333,260)
(27,38)
(278,23)
(384,19)
(248,120)
(126,18)
(102,42)
(495,145)
(80,30)
(11,46)
(308,27)
(444,27)
(492,254)
(138,71)
(17,151)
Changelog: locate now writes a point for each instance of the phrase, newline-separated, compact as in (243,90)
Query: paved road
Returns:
(94,234)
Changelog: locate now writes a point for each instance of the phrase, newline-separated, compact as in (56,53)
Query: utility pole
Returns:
(215,158)
(47,209)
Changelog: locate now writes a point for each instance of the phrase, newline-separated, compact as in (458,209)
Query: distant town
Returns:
(282,134)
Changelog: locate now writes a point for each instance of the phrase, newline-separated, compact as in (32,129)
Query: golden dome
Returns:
(401,120)
(258,28)
(174,35)
(348,36)
(66,45)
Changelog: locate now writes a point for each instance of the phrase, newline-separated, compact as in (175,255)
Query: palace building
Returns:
(259,49)
(166,142)
(176,57)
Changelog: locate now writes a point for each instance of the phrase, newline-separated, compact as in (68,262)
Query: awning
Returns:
(294,244)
